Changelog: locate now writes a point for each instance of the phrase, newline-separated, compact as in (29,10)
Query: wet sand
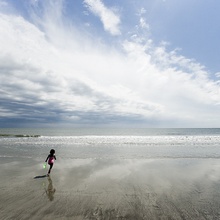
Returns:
(111,189)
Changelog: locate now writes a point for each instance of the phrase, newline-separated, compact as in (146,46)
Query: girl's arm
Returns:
(47,158)
(55,157)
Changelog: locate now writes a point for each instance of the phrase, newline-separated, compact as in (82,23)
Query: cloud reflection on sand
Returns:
(157,187)
(118,189)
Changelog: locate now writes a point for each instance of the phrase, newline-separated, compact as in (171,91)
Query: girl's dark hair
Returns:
(52,151)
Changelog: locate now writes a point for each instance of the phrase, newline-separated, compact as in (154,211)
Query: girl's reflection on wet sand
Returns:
(50,191)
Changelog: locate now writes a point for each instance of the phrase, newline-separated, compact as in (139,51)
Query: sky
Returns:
(145,63)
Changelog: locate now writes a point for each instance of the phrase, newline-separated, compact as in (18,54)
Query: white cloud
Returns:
(59,74)
(143,11)
(143,24)
(108,17)
(179,84)
(69,81)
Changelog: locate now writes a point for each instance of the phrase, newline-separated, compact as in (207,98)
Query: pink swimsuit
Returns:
(51,160)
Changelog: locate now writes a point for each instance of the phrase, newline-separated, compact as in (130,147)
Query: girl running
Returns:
(51,157)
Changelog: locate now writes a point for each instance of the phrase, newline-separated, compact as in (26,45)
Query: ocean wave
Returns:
(19,135)
(112,141)
(118,147)
(134,140)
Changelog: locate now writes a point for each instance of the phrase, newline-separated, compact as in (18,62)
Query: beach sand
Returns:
(110,189)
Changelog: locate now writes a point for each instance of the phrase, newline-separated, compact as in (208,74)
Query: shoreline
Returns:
(111,189)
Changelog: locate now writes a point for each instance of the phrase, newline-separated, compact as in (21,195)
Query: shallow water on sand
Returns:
(112,189)
(163,174)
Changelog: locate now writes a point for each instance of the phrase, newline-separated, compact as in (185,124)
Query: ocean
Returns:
(106,143)
(110,174)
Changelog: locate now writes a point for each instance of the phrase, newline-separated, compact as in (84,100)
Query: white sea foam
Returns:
(165,146)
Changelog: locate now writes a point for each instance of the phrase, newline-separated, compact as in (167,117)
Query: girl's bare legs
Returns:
(51,165)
